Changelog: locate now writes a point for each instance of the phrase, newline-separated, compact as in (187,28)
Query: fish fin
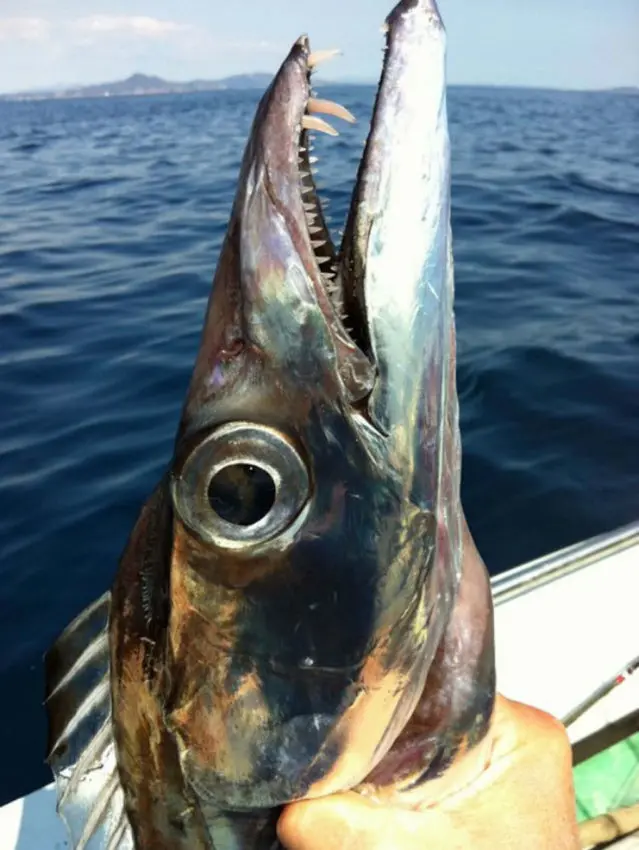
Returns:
(81,748)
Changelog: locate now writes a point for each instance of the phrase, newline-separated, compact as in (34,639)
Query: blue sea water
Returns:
(111,216)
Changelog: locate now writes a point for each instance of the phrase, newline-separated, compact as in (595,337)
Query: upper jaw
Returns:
(279,163)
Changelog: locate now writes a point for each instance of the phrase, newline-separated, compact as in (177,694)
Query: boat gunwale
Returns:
(557,565)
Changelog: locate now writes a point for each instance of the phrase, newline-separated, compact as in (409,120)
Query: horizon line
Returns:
(61,88)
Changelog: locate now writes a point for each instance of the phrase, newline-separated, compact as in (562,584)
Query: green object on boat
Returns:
(609,780)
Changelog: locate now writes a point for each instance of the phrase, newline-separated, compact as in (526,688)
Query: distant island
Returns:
(145,84)
(142,84)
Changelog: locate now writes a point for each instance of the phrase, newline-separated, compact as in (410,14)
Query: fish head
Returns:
(315,481)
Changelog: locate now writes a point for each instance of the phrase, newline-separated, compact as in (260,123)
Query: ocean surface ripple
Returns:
(112,213)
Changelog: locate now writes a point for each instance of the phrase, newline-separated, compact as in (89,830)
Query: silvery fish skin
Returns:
(294,614)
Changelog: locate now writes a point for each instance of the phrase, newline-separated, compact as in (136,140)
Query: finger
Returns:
(351,822)
(524,741)
(527,787)
(517,727)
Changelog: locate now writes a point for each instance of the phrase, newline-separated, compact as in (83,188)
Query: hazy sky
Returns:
(556,43)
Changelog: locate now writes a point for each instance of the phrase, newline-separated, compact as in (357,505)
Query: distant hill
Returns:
(143,84)
(625,90)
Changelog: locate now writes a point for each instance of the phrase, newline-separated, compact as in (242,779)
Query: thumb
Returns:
(351,821)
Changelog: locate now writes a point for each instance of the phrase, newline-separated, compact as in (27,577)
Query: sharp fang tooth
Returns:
(319,56)
(328,107)
(311,122)
(313,230)
(313,159)
(318,243)
(323,260)
(302,149)
(309,207)
(305,173)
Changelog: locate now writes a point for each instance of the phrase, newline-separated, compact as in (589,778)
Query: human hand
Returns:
(523,799)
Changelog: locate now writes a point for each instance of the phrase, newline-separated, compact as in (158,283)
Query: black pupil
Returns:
(242,494)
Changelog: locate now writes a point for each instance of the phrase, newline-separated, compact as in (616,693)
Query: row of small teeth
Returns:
(310,122)
(315,228)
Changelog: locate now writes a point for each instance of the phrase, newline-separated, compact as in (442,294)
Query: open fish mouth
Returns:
(319,117)
(372,316)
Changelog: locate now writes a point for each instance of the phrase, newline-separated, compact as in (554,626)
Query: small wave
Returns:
(81,184)
(28,147)
(601,187)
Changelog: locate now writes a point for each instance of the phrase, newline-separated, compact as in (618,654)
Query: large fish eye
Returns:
(242,486)
(242,494)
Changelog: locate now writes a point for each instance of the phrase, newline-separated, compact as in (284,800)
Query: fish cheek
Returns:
(159,808)
(218,729)
(214,710)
